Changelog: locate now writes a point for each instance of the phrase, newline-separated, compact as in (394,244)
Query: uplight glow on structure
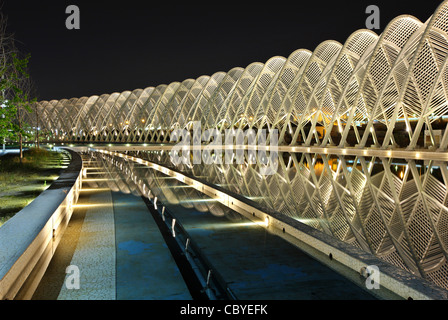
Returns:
(383,90)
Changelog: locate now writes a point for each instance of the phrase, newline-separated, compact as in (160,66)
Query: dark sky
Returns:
(125,45)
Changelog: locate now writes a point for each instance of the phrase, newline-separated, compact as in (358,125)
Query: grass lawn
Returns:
(22,182)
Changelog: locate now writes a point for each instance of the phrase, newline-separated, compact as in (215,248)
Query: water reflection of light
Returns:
(99,179)
(309,221)
(256,198)
(94,189)
(92,205)
(226,225)
(165,178)
(177,187)
(198,200)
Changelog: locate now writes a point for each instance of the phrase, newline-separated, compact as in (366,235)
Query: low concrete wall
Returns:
(29,239)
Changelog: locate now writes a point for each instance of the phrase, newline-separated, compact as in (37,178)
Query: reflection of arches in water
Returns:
(130,178)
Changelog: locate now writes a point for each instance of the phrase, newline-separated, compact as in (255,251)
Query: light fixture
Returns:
(173,224)
(266,222)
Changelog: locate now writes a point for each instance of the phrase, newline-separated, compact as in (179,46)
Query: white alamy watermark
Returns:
(261,147)
(73,21)
(72,281)
(373,20)
(372,275)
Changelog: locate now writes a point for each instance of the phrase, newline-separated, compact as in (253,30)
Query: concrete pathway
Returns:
(114,245)
(94,255)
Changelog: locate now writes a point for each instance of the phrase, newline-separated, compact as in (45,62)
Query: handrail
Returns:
(218,286)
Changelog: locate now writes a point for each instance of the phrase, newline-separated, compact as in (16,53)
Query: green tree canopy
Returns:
(15,87)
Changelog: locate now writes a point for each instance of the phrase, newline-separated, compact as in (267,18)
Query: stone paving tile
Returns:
(95,254)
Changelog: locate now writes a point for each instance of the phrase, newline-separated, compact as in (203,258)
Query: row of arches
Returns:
(386,90)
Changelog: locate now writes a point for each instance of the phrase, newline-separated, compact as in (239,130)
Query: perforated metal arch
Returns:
(358,94)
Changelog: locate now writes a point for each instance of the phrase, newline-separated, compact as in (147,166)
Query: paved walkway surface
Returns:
(115,245)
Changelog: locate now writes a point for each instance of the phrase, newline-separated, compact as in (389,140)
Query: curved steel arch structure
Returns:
(370,93)
(361,93)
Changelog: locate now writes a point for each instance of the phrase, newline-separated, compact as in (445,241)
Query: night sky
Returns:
(125,45)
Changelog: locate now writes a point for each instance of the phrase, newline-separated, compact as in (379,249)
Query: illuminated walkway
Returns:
(128,262)
(123,252)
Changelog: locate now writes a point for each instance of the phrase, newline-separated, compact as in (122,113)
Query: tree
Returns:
(15,88)
(7,114)
(20,99)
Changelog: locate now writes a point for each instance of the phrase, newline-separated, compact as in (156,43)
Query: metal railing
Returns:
(213,284)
